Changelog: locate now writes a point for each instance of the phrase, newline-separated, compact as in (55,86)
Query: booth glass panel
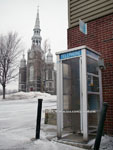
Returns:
(93,114)
(92,66)
(93,83)
(71,94)
(93,94)
(93,102)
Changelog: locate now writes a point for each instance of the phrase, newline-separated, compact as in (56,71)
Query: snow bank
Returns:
(50,145)
(28,95)
(106,143)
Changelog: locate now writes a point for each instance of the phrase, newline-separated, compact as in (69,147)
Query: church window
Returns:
(31,73)
(50,85)
(20,77)
(37,41)
(50,74)
(31,89)
(22,87)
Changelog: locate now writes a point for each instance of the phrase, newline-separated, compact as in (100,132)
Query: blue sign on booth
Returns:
(70,54)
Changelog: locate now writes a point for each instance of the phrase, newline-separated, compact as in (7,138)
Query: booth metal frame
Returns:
(82,52)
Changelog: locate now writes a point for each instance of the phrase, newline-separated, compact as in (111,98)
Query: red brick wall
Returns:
(100,38)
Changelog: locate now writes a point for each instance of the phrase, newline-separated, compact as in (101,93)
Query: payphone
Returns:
(79,91)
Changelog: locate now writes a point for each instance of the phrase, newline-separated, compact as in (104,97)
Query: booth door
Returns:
(93,88)
(71,94)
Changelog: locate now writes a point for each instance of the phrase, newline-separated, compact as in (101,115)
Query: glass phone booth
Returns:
(79,91)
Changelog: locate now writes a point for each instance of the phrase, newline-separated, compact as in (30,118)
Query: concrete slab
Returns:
(75,140)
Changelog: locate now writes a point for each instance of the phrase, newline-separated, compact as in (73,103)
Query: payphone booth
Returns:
(79,91)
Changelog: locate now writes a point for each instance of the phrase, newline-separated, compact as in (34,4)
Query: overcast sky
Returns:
(20,16)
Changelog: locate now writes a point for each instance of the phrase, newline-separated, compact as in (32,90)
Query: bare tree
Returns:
(46,46)
(10,50)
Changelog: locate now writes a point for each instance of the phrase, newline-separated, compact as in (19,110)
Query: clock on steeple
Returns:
(31,54)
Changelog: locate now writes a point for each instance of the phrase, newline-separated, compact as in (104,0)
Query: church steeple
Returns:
(36,38)
(23,62)
(37,22)
(49,57)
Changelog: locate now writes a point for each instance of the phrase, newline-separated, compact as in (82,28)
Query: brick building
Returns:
(99,18)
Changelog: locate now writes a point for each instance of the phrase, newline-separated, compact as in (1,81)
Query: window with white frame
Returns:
(31,73)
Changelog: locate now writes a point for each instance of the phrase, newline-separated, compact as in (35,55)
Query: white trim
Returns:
(81,98)
(91,74)
(62,105)
(94,93)
(59,99)
(100,88)
(84,86)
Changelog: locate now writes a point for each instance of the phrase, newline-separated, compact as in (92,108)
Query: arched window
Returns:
(50,74)
(37,42)
(31,73)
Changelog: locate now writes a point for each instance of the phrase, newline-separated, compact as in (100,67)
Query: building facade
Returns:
(35,74)
(22,75)
(99,18)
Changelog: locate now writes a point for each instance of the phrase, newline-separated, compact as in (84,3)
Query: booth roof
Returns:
(78,48)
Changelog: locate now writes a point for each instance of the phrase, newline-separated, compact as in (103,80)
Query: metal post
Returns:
(100,126)
(39,108)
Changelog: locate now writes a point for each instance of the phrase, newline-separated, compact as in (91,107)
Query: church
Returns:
(37,73)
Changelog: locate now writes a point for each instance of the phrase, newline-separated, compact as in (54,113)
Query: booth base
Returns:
(75,140)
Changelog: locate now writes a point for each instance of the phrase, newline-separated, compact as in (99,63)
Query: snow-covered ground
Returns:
(18,123)
(106,143)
